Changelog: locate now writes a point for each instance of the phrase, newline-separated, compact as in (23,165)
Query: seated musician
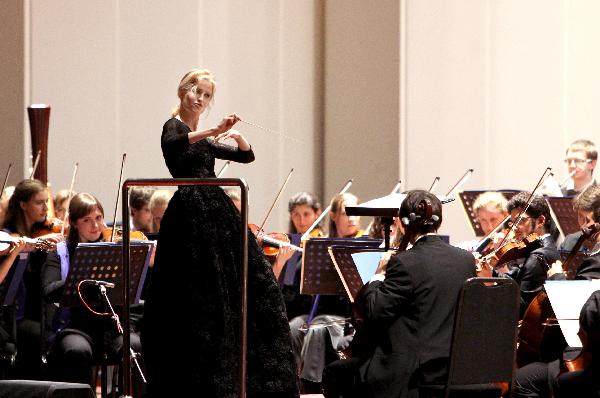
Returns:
(584,382)
(489,209)
(408,313)
(530,271)
(60,203)
(554,379)
(158,204)
(139,206)
(8,256)
(4,198)
(79,335)
(581,158)
(583,206)
(315,346)
(27,216)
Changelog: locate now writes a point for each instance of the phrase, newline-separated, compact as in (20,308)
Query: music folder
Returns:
(318,274)
(103,261)
(355,266)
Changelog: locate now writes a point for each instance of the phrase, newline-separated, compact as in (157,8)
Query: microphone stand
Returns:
(132,354)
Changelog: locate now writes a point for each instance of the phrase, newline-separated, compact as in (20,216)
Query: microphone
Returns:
(102,283)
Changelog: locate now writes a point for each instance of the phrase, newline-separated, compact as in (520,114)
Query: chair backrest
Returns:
(485,332)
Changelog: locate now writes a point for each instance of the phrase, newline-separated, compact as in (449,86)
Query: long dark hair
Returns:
(15,218)
(81,205)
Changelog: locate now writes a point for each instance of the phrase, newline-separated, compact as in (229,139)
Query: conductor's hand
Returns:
(226,124)
(233,134)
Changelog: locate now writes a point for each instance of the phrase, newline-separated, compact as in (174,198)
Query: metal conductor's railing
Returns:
(243,272)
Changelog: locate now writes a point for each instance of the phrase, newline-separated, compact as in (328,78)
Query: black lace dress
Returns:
(190,333)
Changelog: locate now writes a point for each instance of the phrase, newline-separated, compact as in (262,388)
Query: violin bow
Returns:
(114,226)
(5,179)
(225,166)
(324,213)
(35,164)
(460,182)
(396,188)
(434,184)
(260,228)
(64,220)
(529,200)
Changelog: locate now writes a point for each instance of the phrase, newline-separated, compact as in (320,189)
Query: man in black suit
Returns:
(530,271)
(583,205)
(408,311)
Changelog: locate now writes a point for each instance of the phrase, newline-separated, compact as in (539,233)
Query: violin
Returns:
(512,251)
(107,233)
(49,226)
(40,244)
(272,242)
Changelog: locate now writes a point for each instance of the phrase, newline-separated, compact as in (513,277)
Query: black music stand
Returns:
(386,207)
(318,274)
(348,270)
(467,198)
(103,261)
(564,214)
(13,279)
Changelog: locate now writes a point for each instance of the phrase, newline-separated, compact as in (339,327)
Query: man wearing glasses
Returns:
(580,160)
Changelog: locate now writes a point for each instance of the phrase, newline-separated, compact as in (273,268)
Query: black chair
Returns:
(482,354)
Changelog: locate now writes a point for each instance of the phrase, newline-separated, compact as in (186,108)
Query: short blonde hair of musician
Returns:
(490,200)
(160,197)
(336,206)
(585,146)
(190,80)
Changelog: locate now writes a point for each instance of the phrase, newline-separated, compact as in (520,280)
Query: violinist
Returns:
(408,309)
(4,198)
(26,214)
(581,158)
(342,225)
(530,271)
(78,336)
(158,204)
(583,204)
(139,205)
(490,210)
(60,203)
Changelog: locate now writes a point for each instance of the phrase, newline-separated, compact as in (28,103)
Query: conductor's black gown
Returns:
(190,334)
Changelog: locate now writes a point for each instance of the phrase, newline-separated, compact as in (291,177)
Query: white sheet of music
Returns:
(567,298)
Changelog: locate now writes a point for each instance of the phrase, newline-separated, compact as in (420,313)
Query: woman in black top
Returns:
(192,307)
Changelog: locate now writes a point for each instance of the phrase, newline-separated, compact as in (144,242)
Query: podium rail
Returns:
(230,182)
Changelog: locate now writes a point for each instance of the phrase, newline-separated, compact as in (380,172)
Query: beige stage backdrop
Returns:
(371,90)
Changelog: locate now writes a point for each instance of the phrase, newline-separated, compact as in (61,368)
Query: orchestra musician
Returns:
(190,335)
(158,204)
(78,336)
(583,204)
(490,209)
(408,313)
(60,203)
(581,158)
(8,257)
(4,198)
(139,205)
(530,271)
(26,215)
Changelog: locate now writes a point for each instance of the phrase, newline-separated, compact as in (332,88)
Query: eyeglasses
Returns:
(524,219)
(577,161)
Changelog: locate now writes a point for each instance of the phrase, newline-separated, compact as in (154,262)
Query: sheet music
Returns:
(567,298)
(366,264)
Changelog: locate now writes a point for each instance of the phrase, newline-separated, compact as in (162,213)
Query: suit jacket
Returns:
(409,317)
(588,269)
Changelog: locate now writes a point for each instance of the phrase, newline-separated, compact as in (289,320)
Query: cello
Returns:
(538,339)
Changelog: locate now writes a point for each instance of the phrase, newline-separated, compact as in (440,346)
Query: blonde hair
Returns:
(585,146)
(160,197)
(490,199)
(190,80)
